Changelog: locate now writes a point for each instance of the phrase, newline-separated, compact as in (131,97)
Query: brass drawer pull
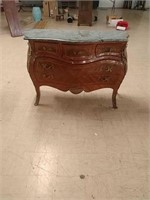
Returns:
(44,48)
(48,76)
(108,68)
(80,53)
(48,66)
(104,78)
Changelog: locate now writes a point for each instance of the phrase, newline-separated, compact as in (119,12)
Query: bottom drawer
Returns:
(97,74)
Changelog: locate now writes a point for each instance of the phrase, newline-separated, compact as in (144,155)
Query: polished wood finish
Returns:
(77,66)
(85,13)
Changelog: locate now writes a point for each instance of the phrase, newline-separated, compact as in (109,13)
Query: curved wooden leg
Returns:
(37,96)
(114,99)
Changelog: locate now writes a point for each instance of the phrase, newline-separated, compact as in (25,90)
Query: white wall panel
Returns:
(108,3)
(147,4)
(119,3)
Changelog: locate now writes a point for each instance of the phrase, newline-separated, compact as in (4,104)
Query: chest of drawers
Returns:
(82,63)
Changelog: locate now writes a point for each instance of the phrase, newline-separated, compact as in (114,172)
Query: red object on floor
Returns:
(122,24)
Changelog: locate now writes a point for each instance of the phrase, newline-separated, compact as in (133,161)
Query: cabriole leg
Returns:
(37,96)
(114,99)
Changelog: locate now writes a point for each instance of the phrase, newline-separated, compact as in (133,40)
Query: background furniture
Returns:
(127,4)
(85,13)
(140,5)
(134,4)
(77,60)
(67,4)
(50,8)
(29,3)
(11,14)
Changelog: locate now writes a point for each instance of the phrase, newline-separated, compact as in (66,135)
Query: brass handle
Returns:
(75,53)
(108,68)
(48,76)
(48,66)
(44,48)
(79,53)
(107,50)
(104,78)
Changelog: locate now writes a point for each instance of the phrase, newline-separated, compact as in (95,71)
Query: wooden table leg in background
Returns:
(11,14)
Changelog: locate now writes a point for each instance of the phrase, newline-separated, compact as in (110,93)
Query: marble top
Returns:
(75,35)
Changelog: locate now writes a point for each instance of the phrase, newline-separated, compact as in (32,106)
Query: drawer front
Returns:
(88,76)
(109,49)
(78,52)
(49,71)
(45,47)
(104,73)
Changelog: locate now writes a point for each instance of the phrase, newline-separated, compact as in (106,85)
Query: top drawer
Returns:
(46,47)
(78,51)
